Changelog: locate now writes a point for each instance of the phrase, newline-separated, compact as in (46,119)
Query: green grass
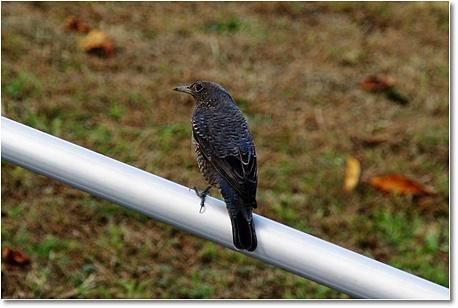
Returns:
(294,70)
(232,25)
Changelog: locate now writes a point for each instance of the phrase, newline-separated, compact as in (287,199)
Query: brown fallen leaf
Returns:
(14,256)
(352,174)
(74,24)
(396,183)
(377,83)
(385,84)
(98,43)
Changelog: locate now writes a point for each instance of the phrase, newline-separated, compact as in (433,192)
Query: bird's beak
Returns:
(184,89)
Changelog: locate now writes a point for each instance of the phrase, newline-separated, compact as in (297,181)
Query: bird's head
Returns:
(204,91)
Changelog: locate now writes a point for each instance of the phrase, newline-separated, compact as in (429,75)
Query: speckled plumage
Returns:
(226,155)
(205,167)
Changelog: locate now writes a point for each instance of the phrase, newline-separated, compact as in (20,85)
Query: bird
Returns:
(226,156)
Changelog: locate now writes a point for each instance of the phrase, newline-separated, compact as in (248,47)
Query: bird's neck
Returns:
(213,101)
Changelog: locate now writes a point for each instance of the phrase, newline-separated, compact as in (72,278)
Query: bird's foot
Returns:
(202,195)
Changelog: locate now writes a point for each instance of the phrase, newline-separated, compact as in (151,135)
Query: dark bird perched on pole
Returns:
(226,156)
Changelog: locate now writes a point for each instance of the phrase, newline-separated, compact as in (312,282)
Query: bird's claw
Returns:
(202,207)
(202,195)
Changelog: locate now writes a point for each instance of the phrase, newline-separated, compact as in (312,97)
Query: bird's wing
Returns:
(238,169)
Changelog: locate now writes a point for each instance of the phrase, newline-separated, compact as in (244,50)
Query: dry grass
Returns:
(294,70)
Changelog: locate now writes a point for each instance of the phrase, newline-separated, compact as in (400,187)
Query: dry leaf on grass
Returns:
(14,256)
(74,24)
(399,184)
(385,84)
(375,83)
(352,174)
(97,42)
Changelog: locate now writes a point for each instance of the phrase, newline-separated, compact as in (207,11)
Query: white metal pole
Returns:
(169,202)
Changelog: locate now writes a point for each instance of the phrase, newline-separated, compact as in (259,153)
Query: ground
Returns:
(294,69)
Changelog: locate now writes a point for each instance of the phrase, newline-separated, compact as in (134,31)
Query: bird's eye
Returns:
(198,88)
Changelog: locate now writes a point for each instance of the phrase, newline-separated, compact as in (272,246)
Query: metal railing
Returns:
(174,204)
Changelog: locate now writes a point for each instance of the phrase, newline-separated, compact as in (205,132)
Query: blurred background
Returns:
(347,103)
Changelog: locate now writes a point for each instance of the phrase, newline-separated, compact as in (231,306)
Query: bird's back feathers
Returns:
(223,137)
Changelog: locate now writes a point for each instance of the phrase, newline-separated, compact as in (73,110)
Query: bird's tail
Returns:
(243,233)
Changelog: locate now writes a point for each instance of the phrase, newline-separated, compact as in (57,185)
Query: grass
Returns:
(294,70)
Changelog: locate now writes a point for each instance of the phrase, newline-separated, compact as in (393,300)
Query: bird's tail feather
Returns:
(243,233)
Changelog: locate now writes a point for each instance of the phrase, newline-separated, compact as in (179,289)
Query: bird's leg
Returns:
(202,195)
